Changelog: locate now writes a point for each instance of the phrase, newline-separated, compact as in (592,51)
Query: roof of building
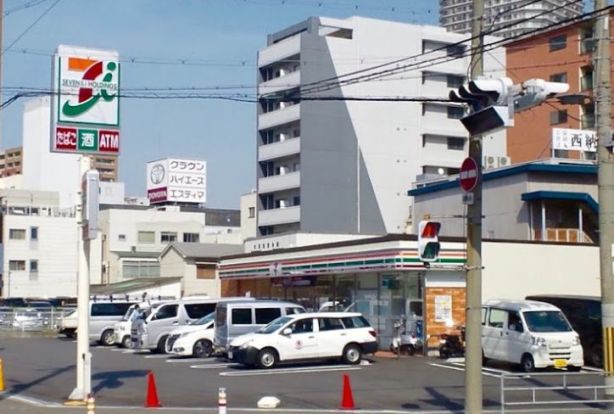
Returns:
(131,285)
(213,216)
(562,195)
(204,251)
(560,168)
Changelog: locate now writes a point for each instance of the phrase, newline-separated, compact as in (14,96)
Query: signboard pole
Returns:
(84,357)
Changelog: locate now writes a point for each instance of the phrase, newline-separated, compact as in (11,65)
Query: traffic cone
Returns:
(151,400)
(347,399)
(1,376)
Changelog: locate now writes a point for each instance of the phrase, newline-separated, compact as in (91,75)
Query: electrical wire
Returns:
(38,19)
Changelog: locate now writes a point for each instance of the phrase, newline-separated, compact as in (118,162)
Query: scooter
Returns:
(452,344)
(404,343)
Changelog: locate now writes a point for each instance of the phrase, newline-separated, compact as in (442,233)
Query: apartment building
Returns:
(329,164)
(508,17)
(561,55)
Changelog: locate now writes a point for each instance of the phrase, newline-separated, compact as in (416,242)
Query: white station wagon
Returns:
(305,336)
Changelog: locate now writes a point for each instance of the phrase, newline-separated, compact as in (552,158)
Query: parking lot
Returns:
(44,368)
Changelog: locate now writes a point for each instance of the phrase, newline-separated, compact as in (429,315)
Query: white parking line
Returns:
(280,371)
(591,369)
(184,360)
(213,365)
(156,356)
(459,367)
(129,351)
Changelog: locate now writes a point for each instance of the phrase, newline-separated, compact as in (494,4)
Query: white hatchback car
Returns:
(195,339)
(305,336)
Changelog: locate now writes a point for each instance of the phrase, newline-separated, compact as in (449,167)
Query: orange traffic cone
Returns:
(151,400)
(347,399)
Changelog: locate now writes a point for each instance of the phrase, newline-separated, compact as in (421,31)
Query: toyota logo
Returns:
(157,174)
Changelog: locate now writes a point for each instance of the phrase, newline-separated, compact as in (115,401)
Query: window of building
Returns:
(33,266)
(34,233)
(121,237)
(296,200)
(456,143)
(146,237)
(17,234)
(455,50)
(132,269)
(17,265)
(168,237)
(559,77)
(558,117)
(251,212)
(456,112)
(204,271)
(558,42)
(191,237)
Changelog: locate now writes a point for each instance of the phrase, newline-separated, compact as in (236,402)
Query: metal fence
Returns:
(31,319)
(553,389)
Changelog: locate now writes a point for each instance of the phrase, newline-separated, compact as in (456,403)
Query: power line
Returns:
(38,19)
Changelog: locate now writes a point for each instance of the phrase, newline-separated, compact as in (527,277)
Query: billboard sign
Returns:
(177,180)
(574,139)
(85,110)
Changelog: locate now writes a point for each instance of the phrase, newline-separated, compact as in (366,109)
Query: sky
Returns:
(187,43)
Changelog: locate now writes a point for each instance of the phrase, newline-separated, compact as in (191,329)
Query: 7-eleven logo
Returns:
(89,81)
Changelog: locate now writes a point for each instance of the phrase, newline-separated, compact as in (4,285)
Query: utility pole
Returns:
(605,180)
(473,319)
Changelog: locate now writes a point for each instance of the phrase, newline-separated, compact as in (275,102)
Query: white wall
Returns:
(44,170)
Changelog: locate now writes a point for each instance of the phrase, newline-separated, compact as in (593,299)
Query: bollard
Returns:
(221,400)
(1,376)
(90,404)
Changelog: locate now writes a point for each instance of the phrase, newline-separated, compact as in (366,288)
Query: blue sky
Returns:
(225,33)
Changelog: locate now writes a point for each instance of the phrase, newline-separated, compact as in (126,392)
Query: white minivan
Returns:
(152,331)
(530,333)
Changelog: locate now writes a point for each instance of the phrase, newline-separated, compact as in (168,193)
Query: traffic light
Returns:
(535,91)
(428,240)
(489,100)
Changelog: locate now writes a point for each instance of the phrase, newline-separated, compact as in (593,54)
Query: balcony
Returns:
(281,182)
(278,51)
(290,81)
(279,216)
(279,149)
(279,117)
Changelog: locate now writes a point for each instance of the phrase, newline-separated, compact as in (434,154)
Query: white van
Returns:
(532,334)
(102,317)
(236,318)
(123,328)
(152,330)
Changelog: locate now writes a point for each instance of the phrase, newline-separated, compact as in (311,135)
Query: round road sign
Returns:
(468,174)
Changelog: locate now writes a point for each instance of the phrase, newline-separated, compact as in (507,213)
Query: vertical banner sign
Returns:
(85,105)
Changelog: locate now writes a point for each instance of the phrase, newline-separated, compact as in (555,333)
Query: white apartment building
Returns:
(343,166)
(39,245)
(508,17)
(132,237)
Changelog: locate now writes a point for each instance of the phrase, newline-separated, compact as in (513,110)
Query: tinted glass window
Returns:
(355,322)
(198,310)
(266,315)
(165,312)
(329,324)
(546,321)
(109,309)
(302,326)
(241,317)
(220,316)
(514,323)
(484,316)
(496,318)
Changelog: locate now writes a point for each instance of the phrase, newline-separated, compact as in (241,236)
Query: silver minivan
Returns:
(240,317)
(152,330)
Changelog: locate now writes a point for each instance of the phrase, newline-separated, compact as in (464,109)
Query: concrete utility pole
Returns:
(605,179)
(473,319)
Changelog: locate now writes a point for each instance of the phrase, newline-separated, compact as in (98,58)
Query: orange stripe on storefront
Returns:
(79,64)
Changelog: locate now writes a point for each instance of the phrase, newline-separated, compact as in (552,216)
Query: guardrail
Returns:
(553,388)
(31,319)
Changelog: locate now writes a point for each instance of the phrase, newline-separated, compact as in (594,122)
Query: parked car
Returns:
(532,334)
(122,329)
(307,336)
(239,317)
(14,302)
(584,315)
(153,330)
(102,317)
(195,339)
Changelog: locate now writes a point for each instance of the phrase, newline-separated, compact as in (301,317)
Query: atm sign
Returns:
(86,140)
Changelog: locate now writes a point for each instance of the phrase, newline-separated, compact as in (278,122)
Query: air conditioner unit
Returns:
(503,161)
(488,161)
